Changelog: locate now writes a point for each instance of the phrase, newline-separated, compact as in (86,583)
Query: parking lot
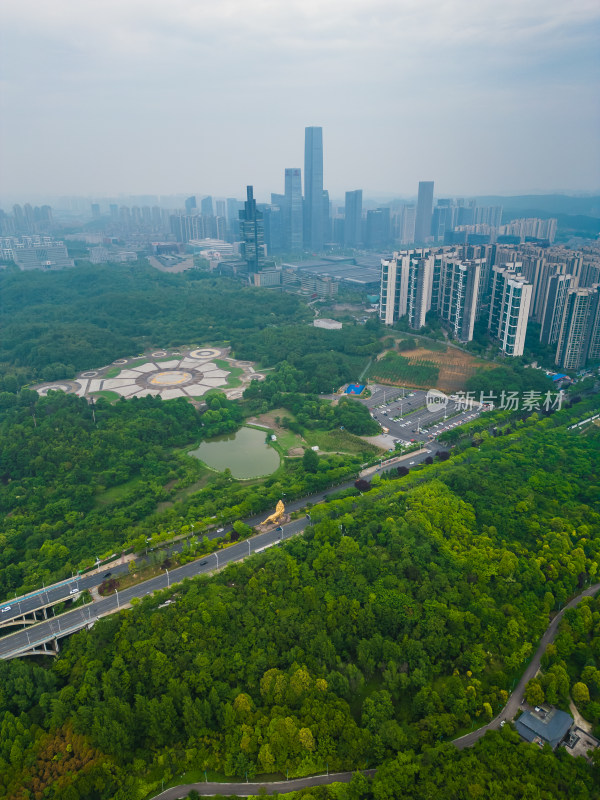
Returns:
(405,413)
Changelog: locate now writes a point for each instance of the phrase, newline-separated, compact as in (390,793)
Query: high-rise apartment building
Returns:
(252,233)
(418,295)
(406,281)
(392,300)
(579,338)
(190,205)
(556,296)
(457,295)
(293,231)
(313,189)
(353,218)
(509,309)
(424,212)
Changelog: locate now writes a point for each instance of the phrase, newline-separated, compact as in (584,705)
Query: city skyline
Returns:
(499,96)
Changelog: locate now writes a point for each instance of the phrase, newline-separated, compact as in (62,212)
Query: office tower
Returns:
(443,219)
(554,307)
(579,337)
(114,211)
(206,207)
(190,205)
(292,209)
(233,221)
(377,235)
(221,208)
(313,189)
(409,218)
(252,233)
(509,309)
(458,292)
(326,217)
(353,218)
(95,210)
(272,217)
(424,212)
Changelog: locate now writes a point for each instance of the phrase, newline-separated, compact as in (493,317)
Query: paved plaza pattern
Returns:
(188,373)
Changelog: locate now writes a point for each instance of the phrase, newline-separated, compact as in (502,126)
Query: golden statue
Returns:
(276,517)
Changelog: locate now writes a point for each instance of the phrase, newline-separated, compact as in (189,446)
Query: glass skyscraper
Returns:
(424,212)
(293,210)
(313,188)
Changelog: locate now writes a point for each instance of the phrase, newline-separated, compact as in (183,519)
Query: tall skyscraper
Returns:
(190,205)
(424,211)
(377,233)
(353,218)
(206,207)
(252,233)
(313,188)
(293,210)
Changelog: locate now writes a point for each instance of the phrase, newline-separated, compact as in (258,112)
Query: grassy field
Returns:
(106,394)
(339,442)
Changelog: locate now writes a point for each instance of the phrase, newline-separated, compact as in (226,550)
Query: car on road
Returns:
(279,528)
(411,462)
(202,563)
(107,574)
(5,609)
(220,530)
(74,591)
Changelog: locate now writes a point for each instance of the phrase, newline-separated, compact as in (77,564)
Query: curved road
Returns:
(507,713)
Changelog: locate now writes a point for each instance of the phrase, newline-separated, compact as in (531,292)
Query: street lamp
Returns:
(217,557)
(249,551)
(168,581)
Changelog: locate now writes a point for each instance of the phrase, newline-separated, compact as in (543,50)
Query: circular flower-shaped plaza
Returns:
(190,373)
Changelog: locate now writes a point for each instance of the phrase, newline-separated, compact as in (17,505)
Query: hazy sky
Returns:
(163,96)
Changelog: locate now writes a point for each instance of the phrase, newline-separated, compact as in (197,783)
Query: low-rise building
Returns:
(544,725)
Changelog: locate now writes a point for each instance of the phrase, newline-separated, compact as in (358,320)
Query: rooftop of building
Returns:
(547,724)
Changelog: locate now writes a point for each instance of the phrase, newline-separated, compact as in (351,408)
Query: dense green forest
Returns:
(78,482)
(501,766)
(326,359)
(55,324)
(400,618)
(573,660)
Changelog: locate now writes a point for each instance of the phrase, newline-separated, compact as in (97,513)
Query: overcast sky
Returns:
(101,97)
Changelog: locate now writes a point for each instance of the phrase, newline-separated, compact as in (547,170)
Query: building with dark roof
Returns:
(544,726)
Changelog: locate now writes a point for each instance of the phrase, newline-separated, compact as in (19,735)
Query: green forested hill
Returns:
(54,324)
(399,619)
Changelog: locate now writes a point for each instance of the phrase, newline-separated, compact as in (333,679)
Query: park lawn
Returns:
(286,439)
(106,394)
(338,441)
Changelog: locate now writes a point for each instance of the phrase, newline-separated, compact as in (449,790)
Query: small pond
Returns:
(245,453)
